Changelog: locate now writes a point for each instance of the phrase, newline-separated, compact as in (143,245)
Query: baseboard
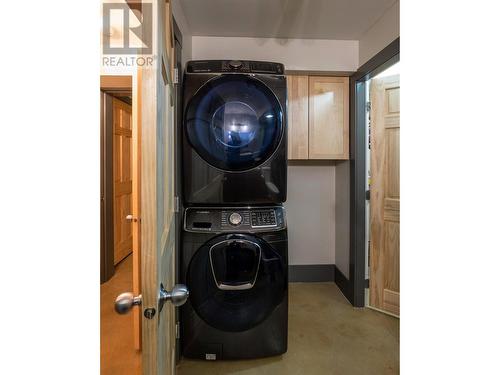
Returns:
(311,273)
(343,284)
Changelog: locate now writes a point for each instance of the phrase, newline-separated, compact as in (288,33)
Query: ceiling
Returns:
(302,19)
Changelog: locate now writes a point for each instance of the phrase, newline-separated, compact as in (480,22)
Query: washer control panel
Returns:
(234,219)
(265,218)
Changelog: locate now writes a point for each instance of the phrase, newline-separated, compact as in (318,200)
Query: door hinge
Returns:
(176,75)
(368,106)
(369,259)
(177,331)
(176,204)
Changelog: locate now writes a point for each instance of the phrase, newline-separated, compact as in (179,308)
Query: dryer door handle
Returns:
(245,286)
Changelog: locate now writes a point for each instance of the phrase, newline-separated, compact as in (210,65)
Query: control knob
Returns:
(235,218)
(235,64)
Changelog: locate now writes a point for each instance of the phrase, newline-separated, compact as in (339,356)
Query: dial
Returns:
(235,64)
(235,218)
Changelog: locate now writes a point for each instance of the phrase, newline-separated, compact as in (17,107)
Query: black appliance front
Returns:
(238,302)
(235,134)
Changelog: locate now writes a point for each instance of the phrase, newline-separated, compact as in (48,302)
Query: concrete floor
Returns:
(326,336)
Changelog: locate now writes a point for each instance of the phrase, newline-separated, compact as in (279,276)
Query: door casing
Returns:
(177,168)
(353,287)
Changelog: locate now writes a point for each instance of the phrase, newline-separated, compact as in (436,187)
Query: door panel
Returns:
(328,117)
(157,209)
(122,177)
(298,117)
(384,194)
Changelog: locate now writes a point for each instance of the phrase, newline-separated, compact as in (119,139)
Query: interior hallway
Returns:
(326,336)
(118,356)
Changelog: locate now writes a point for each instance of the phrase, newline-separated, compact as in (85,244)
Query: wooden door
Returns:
(298,117)
(328,117)
(384,194)
(122,179)
(156,117)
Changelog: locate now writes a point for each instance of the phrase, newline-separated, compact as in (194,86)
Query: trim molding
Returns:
(310,273)
(378,63)
(343,283)
(107,205)
(115,82)
(353,288)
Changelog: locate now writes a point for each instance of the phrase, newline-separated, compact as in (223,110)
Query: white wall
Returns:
(180,18)
(296,54)
(383,32)
(310,212)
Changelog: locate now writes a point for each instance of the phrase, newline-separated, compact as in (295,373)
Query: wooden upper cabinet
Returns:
(298,117)
(328,117)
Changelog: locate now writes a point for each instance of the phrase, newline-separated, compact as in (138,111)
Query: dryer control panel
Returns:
(234,66)
(234,219)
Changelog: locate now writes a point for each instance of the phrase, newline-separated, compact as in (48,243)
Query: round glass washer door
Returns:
(234,122)
(235,281)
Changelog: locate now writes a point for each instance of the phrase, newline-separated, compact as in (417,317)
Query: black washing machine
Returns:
(235,264)
(234,133)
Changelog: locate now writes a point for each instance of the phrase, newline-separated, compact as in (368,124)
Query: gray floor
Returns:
(326,336)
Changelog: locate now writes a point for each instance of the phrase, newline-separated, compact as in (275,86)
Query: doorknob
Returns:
(178,296)
(125,301)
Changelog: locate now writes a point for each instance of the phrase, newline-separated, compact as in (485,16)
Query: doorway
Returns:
(116,172)
(382,183)
(355,286)
(122,177)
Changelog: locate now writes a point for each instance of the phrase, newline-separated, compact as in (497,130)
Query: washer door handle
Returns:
(235,286)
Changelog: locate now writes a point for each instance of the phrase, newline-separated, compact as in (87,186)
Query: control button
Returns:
(235,218)
(235,64)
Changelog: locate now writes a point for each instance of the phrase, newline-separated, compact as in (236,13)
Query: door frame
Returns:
(354,287)
(177,167)
(109,86)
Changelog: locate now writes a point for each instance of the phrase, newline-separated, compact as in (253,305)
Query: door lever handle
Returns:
(125,301)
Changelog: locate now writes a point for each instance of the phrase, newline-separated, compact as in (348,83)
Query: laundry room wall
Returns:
(310,212)
(380,35)
(295,54)
(187,37)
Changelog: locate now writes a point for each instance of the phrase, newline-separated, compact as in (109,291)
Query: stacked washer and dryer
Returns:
(234,254)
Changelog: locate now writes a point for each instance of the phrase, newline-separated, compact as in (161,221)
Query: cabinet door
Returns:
(328,117)
(298,117)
